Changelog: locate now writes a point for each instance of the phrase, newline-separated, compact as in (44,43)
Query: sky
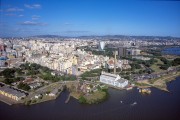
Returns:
(21,18)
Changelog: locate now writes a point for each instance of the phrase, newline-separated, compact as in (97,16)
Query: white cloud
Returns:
(32,23)
(13,14)
(76,32)
(10,14)
(14,10)
(33,6)
(20,15)
(35,17)
(25,30)
(67,23)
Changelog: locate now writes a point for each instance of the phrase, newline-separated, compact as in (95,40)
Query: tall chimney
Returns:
(115,53)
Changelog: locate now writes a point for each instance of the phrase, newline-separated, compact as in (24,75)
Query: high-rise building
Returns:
(101,45)
(122,52)
(133,52)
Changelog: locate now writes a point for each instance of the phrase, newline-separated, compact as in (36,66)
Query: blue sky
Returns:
(89,17)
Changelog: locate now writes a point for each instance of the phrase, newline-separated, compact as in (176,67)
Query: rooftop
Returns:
(12,91)
(109,74)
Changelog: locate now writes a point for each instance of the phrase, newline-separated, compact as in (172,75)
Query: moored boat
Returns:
(145,90)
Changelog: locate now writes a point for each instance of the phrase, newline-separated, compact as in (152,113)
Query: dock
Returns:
(68,98)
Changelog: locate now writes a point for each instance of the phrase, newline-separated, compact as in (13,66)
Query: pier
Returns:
(68,98)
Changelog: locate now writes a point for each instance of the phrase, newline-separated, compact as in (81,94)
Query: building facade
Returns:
(122,52)
(11,93)
(113,80)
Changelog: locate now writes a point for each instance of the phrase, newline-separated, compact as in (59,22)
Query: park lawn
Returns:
(44,99)
(1,79)
(155,66)
(52,87)
(98,95)
(137,70)
(76,94)
(161,82)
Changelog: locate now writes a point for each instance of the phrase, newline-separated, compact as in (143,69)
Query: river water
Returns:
(159,105)
(172,51)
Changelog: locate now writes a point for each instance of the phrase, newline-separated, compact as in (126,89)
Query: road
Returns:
(44,88)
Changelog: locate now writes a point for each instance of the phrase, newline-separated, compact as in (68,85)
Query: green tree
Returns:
(18,79)
(8,73)
(28,102)
(176,62)
(127,77)
(140,71)
(82,99)
(8,81)
(24,86)
(19,71)
(164,67)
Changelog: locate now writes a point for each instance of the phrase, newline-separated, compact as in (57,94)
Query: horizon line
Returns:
(90,36)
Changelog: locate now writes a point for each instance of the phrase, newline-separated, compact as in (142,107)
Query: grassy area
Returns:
(160,83)
(44,99)
(51,87)
(1,79)
(92,97)
(137,70)
(92,73)
(141,83)
(72,86)
(95,97)
(155,66)
(32,100)
(76,95)
(165,79)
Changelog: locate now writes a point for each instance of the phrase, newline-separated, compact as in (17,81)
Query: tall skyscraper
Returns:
(122,52)
(101,45)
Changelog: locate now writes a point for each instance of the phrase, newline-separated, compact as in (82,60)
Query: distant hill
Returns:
(49,36)
(110,37)
(130,37)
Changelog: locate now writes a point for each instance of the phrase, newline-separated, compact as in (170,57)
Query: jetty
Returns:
(68,98)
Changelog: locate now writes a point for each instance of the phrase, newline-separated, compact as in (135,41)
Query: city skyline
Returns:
(77,18)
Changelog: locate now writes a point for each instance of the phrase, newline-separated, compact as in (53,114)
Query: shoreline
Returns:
(6,102)
(10,102)
(51,98)
(164,82)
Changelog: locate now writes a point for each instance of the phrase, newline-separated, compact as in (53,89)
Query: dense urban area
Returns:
(37,69)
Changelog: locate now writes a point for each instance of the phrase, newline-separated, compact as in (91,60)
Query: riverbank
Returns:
(160,83)
(44,98)
(92,97)
(87,92)
(6,100)
(158,106)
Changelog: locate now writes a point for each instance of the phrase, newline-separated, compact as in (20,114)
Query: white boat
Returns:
(134,103)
